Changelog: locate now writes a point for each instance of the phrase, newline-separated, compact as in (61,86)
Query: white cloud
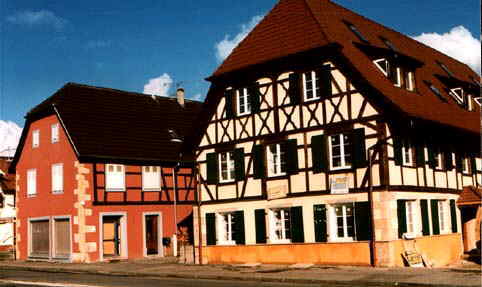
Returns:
(41,17)
(457,43)
(9,137)
(224,47)
(159,86)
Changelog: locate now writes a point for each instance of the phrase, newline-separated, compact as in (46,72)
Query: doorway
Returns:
(152,234)
(111,236)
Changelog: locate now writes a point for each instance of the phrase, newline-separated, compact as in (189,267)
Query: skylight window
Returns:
(357,32)
(458,94)
(445,69)
(389,44)
(477,82)
(436,91)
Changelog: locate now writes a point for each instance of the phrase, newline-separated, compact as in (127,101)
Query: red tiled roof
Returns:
(470,195)
(294,26)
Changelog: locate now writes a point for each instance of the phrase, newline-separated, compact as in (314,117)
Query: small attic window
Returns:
(383,65)
(436,91)
(458,94)
(389,44)
(478,101)
(476,82)
(354,29)
(445,69)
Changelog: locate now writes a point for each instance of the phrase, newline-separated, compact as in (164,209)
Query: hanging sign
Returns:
(276,192)
(339,185)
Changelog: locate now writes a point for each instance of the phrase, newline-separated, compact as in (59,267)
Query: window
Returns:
(445,69)
(458,94)
(225,228)
(151,178)
(398,77)
(340,155)
(383,65)
(280,225)
(410,208)
(39,238)
(114,177)
(276,160)
(311,86)
(35,138)
(31,182)
(389,44)
(345,221)
(55,133)
(357,32)
(409,81)
(244,106)
(407,153)
(438,160)
(465,164)
(442,216)
(57,178)
(226,166)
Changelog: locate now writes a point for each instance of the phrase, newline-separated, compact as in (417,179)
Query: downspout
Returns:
(198,199)
(373,257)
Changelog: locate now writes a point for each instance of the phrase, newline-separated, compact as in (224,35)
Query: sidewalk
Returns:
(461,275)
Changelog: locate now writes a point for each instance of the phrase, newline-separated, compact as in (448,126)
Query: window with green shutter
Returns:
(359,152)
(254,98)
(318,153)
(397,150)
(419,154)
(238,228)
(228,96)
(297,231)
(473,165)
(449,165)
(260,224)
(402,218)
(319,216)
(363,221)
(425,217)
(212,168)
(432,161)
(294,89)
(258,162)
(453,215)
(435,219)
(325,79)
(291,150)
(239,164)
(210,229)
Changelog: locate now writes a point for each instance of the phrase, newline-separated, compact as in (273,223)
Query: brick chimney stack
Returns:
(180,96)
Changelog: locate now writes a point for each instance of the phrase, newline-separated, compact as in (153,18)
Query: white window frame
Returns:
(342,152)
(412,218)
(410,81)
(314,87)
(57,178)
(438,160)
(35,138)
(274,223)
(443,217)
(224,229)
(398,82)
(465,165)
(31,182)
(243,96)
(230,165)
(459,99)
(54,133)
(377,64)
(109,186)
(151,180)
(407,161)
(275,161)
(333,222)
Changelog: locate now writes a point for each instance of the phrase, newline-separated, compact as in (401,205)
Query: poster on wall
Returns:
(339,185)
(277,192)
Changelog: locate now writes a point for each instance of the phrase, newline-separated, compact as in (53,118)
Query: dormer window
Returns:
(383,65)
(436,91)
(409,81)
(397,77)
(458,94)
(445,69)
(478,100)
(389,44)
(354,29)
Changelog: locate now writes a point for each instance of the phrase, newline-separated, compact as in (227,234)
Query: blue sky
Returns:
(125,44)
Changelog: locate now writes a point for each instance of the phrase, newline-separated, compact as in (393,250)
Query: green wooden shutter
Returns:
(425,218)
(294,91)
(297,231)
(363,221)
(254,97)
(260,222)
(325,80)
(229,97)
(258,162)
(473,165)
(435,220)
(449,165)
(212,168)
(359,153)
(402,218)
(420,154)
(239,163)
(453,215)
(458,161)
(397,150)
(319,216)
(239,234)
(431,156)
(319,154)
(211,229)
(291,153)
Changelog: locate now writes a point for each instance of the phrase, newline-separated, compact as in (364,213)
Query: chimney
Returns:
(180,96)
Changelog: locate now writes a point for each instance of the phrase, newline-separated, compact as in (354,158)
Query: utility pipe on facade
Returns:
(373,250)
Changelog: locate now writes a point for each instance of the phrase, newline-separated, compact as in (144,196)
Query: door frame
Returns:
(160,247)
(53,252)
(123,226)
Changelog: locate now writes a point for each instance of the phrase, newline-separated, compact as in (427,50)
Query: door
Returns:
(111,236)
(152,234)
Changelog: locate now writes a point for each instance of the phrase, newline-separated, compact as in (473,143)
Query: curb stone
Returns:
(229,277)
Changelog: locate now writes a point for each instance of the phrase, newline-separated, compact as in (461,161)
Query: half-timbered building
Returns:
(328,138)
(100,175)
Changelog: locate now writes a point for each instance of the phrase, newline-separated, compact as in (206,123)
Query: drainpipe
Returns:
(198,199)
(174,236)
(373,257)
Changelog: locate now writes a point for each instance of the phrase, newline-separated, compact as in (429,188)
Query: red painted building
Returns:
(94,175)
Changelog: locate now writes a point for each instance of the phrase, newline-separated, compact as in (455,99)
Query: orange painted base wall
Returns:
(352,253)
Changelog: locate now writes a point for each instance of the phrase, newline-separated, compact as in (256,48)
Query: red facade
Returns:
(79,219)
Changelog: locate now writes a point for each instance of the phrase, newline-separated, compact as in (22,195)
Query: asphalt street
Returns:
(11,278)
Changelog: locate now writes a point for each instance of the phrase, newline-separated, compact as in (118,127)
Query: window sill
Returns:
(338,239)
(31,195)
(115,190)
(340,169)
(279,241)
(309,101)
(243,115)
(151,189)
(57,192)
